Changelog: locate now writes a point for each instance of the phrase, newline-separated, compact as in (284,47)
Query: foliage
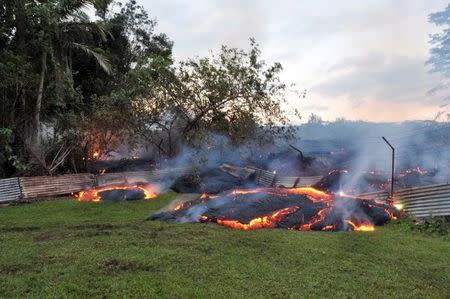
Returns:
(8,161)
(432,225)
(440,58)
(73,87)
(440,47)
(233,94)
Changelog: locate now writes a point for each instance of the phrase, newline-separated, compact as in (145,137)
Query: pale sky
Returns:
(357,59)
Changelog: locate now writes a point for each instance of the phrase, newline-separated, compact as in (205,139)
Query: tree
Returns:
(56,66)
(39,40)
(234,94)
(63,26)
(108,107)
(439,59)
(315,119)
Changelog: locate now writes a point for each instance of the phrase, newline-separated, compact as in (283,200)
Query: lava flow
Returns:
(117,192)
(304,209)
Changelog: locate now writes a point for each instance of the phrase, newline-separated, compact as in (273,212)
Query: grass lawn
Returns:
(70,249)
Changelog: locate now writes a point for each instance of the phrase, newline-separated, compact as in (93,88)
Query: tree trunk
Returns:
(36,121)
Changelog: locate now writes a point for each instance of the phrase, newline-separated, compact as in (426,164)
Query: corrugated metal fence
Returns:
(270,179)
(419,202)
(425,201)
(381,195)
(9,189)
(140,176)
(45,186)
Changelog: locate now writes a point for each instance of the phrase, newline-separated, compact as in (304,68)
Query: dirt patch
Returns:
(14,269)
(92,233)
(49,236)
(18,229)
(155,233)
(100,226)
(115,265)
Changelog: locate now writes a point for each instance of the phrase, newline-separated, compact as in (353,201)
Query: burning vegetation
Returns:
(118,192)
(303,209)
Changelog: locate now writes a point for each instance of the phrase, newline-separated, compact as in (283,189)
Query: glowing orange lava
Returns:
(259,222)
(322,219)
(312,193)
(365,227)
(93,194)
(413,170)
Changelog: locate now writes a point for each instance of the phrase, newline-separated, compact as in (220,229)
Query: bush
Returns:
(9,163)
(430,225)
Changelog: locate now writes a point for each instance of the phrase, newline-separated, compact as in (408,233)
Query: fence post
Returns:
(274,180)
(296,182)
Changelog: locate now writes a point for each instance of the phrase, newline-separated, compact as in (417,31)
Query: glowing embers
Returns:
(296,209)
(416,170)
(118,192)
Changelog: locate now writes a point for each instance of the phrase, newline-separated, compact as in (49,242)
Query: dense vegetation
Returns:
(75,87)
(71,249)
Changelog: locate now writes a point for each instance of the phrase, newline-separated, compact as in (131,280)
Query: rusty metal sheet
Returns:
(45,186)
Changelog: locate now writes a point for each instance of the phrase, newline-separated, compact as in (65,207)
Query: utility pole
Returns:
(393,163)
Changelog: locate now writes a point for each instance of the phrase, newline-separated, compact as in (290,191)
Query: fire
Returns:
(365,227)
(304,209)
(94,194)
(256,223)
(398,206)
(319,217)
(413,170)
(314,194)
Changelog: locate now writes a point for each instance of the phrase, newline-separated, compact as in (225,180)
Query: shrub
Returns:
(429,225)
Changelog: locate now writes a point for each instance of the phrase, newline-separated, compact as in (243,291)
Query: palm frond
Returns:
(102,61)
(68,7)
(80,17)
(99,30)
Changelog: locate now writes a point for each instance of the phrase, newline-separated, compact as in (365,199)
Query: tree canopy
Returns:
(75,87)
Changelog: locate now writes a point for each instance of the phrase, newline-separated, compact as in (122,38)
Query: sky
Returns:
(360,60)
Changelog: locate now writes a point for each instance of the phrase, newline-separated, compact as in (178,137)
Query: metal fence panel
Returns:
(9,189)
(380,195)
(269,179)
(133,177)
(45,186)
(425,201)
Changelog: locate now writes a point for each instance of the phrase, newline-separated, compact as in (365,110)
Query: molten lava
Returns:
(417,170)
(304,209)
(117,192)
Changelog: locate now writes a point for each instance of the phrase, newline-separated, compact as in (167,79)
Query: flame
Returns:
(398,206)
(312,193)
(364,227)
(95,155)
(413,170)
(328,227)
(326,210)
(93,194)
(319,217)
(269,221)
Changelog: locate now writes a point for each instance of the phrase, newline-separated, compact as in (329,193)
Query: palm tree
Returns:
(63,28)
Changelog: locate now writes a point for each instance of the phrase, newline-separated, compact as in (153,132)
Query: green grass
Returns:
(70,249)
